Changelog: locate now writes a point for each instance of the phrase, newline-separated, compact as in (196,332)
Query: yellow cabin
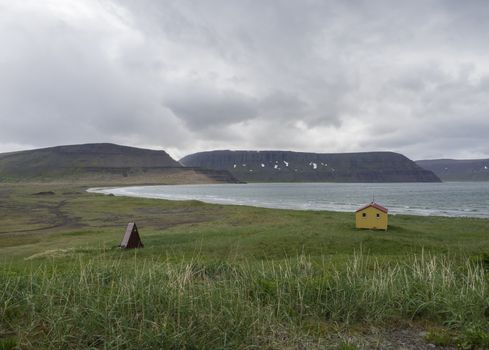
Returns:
(372,216)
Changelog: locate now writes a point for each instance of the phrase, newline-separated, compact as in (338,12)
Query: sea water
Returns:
(469,199)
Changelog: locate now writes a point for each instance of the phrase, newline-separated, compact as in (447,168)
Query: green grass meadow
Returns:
(232,277)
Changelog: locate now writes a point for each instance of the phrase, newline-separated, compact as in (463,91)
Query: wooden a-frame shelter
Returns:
(131,238)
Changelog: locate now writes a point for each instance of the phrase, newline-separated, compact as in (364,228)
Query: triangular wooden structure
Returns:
(131,237)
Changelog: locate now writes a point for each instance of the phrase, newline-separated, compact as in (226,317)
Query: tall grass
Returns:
(99,303)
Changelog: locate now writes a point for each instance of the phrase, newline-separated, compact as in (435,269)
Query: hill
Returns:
(458,170)
(101,163)
(286,166)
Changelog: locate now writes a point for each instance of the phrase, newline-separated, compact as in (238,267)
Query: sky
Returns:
(187,76)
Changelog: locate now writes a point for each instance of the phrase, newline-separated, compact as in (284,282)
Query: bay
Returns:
(469,199)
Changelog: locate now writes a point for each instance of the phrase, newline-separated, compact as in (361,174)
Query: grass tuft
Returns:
(100,303)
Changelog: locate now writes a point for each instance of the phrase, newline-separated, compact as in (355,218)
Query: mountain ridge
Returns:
(458,169)
(285,166)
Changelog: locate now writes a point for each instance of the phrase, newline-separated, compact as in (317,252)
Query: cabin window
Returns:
(378,216)
(364,215)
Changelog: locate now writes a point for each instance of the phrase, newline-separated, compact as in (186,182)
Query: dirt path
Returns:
(61,218)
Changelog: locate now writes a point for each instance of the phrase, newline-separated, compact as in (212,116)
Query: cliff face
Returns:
(458,170)
(102,163)
(283,166)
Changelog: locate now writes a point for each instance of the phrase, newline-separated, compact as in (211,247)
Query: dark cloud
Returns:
(321,76)
(205,107)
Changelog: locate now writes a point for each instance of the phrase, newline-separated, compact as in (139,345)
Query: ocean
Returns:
(460,199)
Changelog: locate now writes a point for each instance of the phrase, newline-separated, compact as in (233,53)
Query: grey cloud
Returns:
(440,111)
(280,104)
(205,107)
(312,75)
(61,85)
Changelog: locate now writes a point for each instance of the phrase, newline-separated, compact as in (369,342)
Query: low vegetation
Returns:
(225,277)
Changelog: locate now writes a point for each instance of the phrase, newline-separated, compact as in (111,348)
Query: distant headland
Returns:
(287,166)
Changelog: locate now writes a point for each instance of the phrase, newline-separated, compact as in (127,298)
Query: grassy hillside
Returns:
(103,164)
(284,166)
(458,170)
(226,277)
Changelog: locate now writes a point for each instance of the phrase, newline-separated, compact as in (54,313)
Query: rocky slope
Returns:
(458,170)
(281,166)
(102,163)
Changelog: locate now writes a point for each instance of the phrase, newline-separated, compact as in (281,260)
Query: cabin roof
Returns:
(374,205)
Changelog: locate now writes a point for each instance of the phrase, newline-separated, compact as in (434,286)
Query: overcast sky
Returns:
(187,76)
